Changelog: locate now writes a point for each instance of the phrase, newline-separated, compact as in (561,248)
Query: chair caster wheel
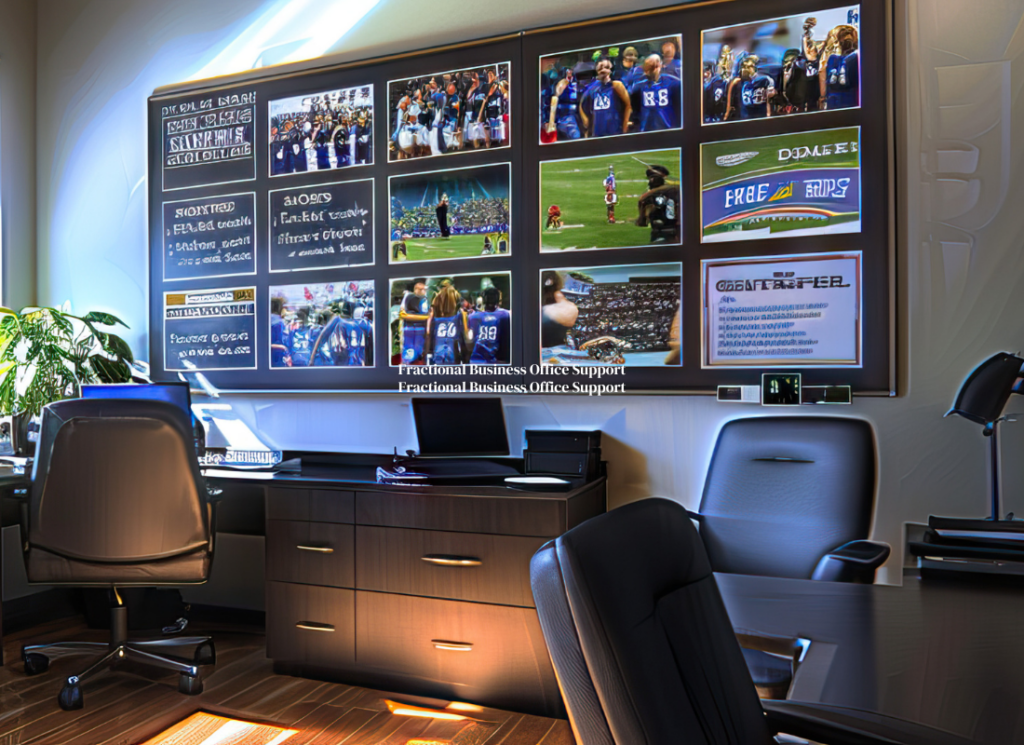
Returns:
(205,654)
(190,686)
(70,697)
(35,663)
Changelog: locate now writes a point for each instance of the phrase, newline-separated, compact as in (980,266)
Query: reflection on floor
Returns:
(133,704)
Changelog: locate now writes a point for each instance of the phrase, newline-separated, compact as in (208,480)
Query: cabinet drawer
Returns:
(319,505)
(488,654)
(460,566)
(310,625)
(501,516)
(310,553)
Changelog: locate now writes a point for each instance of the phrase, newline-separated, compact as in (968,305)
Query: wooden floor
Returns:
(131,704)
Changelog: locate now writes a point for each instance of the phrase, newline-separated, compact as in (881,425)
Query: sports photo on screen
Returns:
(321,325)
(782,66)
(460,319)
(610,201)
(454,111)
(622,88)
(612,315)
(807,183)
(454,214)
(321,131)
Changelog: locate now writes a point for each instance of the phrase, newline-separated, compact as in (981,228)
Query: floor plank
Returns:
(133,703)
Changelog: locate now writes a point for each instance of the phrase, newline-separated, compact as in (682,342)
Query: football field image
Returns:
(575,195)
(796,184)
(453,247)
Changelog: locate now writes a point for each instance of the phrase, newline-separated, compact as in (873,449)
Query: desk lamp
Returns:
(982,398)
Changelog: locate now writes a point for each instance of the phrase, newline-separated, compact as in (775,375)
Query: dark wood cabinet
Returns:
(417,590)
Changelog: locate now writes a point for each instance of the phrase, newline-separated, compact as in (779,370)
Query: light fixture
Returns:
(981,399)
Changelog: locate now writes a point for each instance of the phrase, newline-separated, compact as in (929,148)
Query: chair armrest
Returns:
(780,646)
(855,561)
(695,515)
(840,725)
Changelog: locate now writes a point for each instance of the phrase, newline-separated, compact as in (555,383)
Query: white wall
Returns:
(961,269)
(17,150)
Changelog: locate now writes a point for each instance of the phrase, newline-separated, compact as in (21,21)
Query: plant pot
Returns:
(19,434)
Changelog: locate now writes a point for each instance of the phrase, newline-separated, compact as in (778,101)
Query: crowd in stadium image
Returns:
(633,87)
(638,314)
(471,216)
(448,112)
(321,132)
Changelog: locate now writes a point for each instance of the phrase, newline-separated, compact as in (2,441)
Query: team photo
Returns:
(450,112)
(321,131)
(622,88)
(322,325)
(782,66)
(805,183)
(612,315)
(610,201)
(452,320)
(454,214)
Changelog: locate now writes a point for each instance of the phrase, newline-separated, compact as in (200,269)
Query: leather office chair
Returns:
(117,500)
(791,497)
(644,652)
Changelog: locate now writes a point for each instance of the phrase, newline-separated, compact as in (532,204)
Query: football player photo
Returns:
(321,131)
(453,214)
(452,320)
(321,325)
(611,201)
(782,66)
(623,88)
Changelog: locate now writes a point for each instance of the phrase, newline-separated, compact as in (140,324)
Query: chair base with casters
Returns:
(122,649)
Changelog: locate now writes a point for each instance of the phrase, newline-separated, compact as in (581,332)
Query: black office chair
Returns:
(117,500)
(791,497)
(644,652)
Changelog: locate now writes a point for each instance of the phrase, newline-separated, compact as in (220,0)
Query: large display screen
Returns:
(668,201)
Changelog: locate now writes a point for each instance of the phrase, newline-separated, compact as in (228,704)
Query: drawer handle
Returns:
(448,560)
(318,549)
(448,646)
(313,626)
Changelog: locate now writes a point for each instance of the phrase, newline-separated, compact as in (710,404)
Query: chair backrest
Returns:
(118,482)
(783,491)
(642,644)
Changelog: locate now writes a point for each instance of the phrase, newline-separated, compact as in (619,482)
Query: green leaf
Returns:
(106,319)
(110,371)
(119,347)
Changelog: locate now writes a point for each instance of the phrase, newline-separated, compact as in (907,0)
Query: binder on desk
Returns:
(986,546)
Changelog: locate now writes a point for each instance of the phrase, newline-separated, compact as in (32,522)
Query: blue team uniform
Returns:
(657,103)
(490,329)
(279,157)
(565,114)
(414,333)
(843,78)
(301,346)
(714,99)
(354,335)
(280,341)
(445,333)
(604,107)
(754,96)
(673,69)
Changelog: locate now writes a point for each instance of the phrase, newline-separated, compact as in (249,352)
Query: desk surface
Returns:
(949,654)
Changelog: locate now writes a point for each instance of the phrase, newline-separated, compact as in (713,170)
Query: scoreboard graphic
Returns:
(807,183)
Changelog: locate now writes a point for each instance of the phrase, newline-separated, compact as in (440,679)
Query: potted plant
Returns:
(46,354)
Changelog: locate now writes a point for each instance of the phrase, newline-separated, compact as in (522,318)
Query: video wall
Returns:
(668,201)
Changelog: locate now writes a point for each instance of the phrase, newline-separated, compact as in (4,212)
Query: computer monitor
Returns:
(173,393)
(460,426)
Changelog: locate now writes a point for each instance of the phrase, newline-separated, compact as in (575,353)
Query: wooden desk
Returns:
(946,654)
